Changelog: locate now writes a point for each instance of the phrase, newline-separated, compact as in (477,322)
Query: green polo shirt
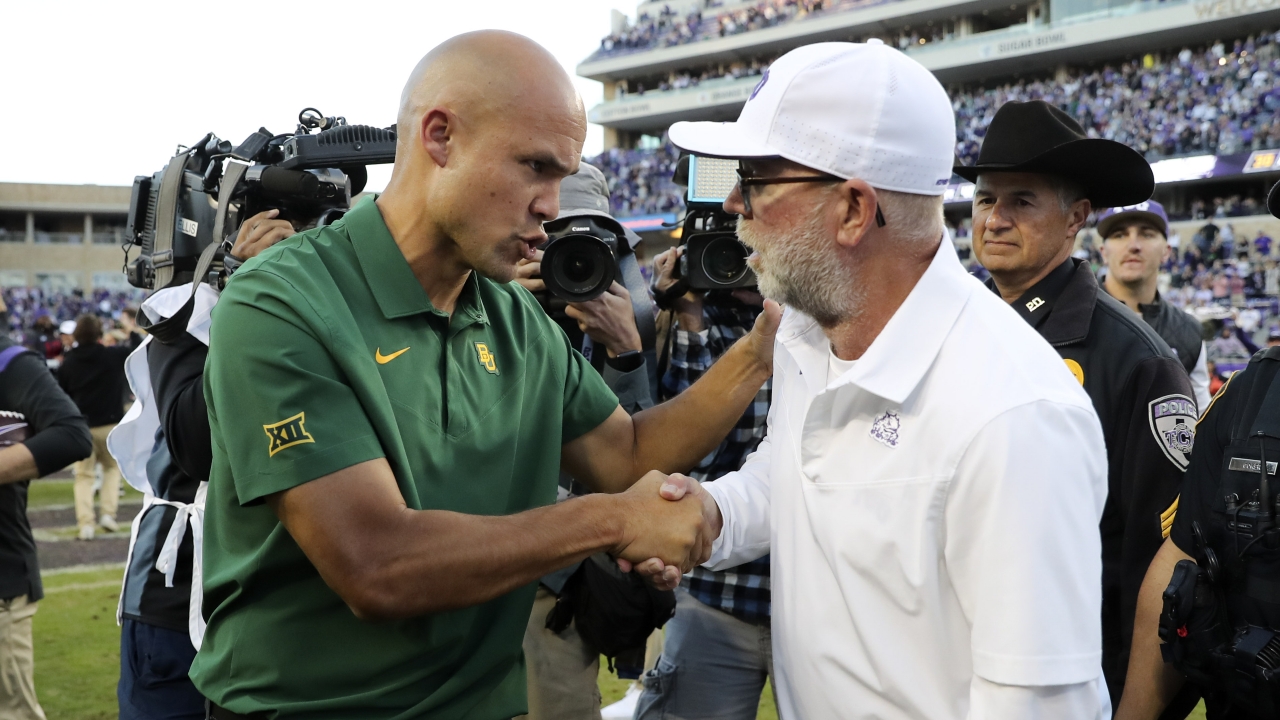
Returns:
(326,352)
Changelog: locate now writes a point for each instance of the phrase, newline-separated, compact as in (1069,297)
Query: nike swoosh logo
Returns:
(384,359)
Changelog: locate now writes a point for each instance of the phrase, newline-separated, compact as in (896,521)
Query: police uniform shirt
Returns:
(1221,467)
(931,515)
(1183,334)
(1145,402)
(325,351)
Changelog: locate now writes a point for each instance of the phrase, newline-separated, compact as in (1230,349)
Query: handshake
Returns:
(669,524)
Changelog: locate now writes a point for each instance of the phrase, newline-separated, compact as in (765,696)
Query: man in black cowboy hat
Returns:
(1038,177)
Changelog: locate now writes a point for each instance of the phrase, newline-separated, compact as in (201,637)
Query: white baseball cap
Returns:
(853,110)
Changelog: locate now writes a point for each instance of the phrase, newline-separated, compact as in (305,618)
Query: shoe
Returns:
(108,523)
(624,708)
(86,532)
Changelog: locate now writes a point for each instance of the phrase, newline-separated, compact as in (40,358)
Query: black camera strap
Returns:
(167,217)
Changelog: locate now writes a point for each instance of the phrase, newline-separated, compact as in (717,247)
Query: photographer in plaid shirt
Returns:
(717,652)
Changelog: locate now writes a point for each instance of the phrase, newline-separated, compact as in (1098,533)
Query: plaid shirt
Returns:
(742,591)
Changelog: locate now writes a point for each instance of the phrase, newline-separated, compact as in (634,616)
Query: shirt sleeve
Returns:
(1200,379)
(1200,482)
(1078,701)
(744,501)
(1151,467)
(279,406)
(1022,546)
(177,374)
(632,388)
(690,358)
(588,401)
(57,434)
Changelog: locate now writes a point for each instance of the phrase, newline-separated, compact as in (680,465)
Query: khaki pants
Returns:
(562,670)
(17,661)
(110,495)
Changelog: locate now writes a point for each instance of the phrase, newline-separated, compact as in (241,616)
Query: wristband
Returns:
(627,361)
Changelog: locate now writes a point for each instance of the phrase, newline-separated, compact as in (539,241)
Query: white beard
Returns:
(802,269)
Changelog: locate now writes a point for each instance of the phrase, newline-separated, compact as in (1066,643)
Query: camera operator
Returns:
(717,649)
(1209,605)
(41,431)
(159,605)
(563,668)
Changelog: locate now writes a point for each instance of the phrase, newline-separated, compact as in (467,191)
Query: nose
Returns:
(734,204)
(546,204)
(996,220)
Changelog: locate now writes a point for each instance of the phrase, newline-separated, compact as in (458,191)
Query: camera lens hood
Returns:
(578,267)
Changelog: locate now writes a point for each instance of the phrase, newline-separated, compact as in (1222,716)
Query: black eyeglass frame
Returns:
(745,182)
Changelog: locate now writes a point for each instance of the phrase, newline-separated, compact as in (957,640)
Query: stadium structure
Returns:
(1189,83)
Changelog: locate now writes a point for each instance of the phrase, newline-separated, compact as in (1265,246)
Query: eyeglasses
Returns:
(746,182)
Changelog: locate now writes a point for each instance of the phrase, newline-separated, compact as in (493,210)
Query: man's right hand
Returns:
(688,307)
(529,273)
(681,488)
(670,535)
(259,233)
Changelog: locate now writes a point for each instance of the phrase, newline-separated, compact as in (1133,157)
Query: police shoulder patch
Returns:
(287,433)
(1173,422)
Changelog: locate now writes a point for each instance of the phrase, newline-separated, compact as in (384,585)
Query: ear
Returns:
(435,131)
(856,206)
(1077,216)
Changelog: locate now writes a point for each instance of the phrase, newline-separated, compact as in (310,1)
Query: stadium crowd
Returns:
(35,309)
(669,27)
(1220,99)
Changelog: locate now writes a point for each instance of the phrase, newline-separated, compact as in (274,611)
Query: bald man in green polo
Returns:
(390,413)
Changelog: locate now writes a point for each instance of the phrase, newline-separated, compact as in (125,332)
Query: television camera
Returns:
(714,258)
(197,203)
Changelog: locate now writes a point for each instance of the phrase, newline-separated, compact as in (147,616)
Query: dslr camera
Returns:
(714,258)
(580,260)
(208,189)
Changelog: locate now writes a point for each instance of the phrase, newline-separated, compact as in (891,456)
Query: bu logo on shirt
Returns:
(486,358)
(287,433)
(885,429)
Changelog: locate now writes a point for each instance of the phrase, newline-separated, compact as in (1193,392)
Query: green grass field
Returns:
(78,643)
(51,493)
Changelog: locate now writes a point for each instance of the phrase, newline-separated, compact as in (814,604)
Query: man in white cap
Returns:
(933,476)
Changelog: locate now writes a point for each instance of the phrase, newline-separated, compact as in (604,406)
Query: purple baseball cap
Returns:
(1151,211)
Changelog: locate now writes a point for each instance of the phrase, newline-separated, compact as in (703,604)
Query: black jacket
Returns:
(1141,393)
(93,375)
(180,461)
(1177,328)
(57,435)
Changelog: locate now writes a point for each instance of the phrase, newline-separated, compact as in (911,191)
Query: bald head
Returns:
(486,75)
(489,123)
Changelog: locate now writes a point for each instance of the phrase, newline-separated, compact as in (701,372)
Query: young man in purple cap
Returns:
(931,481)
(1135,245)
(1038,177)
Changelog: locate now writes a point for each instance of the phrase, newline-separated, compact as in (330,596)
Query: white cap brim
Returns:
(718,140)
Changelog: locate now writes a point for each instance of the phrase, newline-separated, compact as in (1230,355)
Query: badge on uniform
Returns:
(1173,422)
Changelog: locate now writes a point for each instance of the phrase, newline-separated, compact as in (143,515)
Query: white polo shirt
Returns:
(932,515)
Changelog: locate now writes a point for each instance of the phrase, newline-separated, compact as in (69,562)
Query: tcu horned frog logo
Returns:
(885,429)
(1173,422)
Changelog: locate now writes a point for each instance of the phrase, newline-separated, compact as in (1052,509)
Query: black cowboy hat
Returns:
(1273,200)
(1036,137)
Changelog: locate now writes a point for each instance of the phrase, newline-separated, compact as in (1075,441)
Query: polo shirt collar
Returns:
(906,348)
(1060,306)
(394,286)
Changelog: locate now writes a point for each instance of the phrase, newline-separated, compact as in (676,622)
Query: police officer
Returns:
(1210,561)
(1135,242)
(1037,180)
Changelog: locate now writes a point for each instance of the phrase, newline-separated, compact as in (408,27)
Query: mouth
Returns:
(529,245)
